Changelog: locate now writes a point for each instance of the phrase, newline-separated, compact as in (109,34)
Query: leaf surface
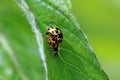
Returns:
(75,60)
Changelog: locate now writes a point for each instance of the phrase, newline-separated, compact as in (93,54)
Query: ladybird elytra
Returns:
(54,38)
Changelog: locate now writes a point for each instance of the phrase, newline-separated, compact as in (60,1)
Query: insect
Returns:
(54,38)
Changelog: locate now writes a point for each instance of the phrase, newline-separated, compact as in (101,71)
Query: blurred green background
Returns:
(100,20)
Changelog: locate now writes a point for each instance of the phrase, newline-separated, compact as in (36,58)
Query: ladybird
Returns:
(54,38)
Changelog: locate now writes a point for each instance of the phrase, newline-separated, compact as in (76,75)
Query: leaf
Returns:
(75,60)
(19,57)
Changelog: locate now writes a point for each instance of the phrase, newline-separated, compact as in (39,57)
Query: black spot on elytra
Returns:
(59,41)
(53,32)
(60,35)
(47,33)
(57,28)
(48,28)
(54,38)
(56,31)
(52,35)
(54,45)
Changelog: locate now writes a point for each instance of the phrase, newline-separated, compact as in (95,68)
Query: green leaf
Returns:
(20,51)
(76,60)
(19,57)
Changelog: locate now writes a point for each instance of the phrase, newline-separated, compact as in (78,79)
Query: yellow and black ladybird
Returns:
(54,38)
